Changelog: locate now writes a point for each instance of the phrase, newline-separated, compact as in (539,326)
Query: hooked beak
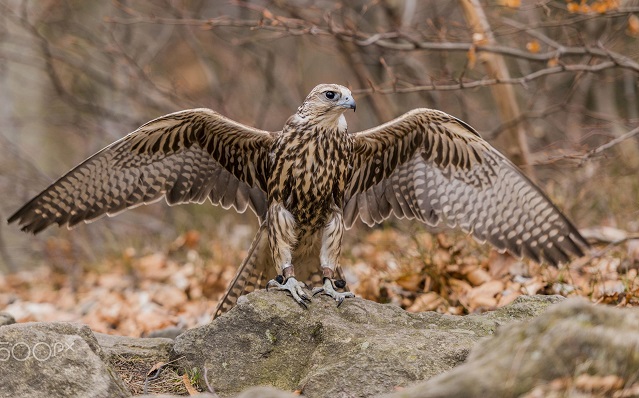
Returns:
(348,103)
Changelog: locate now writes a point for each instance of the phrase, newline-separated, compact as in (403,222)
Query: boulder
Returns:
(6,319)
(359,349)
(54,360)
(152,349)
(170,332)
(574,349)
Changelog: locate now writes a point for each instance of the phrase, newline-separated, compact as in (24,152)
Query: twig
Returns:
(206,380)
(187,384)
(489,82)
(298,27)
(611,143)
(600,253)
(49,56)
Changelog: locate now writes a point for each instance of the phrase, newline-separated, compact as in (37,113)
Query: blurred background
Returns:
(550,83)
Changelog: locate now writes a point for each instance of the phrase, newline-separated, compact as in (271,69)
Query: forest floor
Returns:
(134,293)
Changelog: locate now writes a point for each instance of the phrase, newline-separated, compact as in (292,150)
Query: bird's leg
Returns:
(329,257)
(328,288)
(282,237)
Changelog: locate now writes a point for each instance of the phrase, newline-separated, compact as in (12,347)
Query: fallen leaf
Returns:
(610,288)
(267,14)
(600,384)
(187,384)
(426,302)
(533,287)
(506,299)
(485,296)
(169,296)
(478,276)
(154,370)
(152,266)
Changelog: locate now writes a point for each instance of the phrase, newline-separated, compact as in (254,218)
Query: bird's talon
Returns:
(292,286)
(329,290)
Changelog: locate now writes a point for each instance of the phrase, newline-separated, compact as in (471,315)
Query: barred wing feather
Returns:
(433,167)
(184,157)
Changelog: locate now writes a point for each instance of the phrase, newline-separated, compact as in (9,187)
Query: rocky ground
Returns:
(537,346)
(436,315)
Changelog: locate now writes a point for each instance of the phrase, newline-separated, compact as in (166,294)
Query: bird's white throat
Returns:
(341,123)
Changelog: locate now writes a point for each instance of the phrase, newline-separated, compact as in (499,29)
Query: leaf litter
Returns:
(136,293)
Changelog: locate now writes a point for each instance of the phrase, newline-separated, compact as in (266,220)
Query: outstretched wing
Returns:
(431,166)
(183,157)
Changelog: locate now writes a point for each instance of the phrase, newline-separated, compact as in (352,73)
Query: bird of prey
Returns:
(309,182)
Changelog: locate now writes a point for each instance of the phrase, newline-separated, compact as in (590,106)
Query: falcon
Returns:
(309,182)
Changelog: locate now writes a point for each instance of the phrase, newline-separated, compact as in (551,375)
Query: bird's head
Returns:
(326,104)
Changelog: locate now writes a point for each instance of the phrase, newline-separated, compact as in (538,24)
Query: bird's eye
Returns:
(330,95)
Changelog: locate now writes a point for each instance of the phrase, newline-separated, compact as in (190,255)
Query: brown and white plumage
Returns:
(434,167)
(310,181)
(184,157)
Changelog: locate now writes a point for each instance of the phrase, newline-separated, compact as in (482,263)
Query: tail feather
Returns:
(254,273)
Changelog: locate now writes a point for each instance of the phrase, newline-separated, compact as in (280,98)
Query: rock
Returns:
(54,360)
(360,349)
(151,348)
(169,332)
(574,349)
(6,319)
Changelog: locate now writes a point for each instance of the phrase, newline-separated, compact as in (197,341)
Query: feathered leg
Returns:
(329,258)
(282,236)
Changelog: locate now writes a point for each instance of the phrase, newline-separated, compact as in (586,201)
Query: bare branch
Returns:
(611,143)
(490,82)
(297,27)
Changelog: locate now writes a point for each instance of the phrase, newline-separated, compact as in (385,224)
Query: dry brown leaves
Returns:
(585,385)
(136,293)
(132,294)
(453,274)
